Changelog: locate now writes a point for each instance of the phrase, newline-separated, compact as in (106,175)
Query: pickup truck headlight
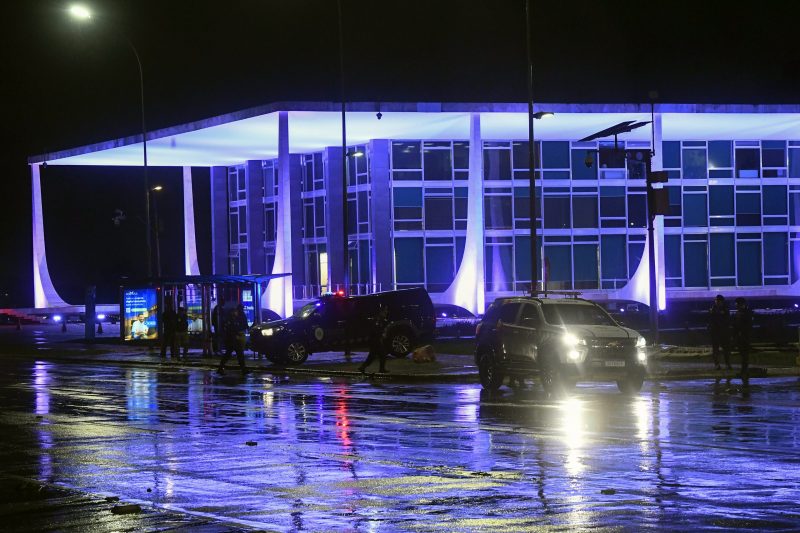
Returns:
(641,342)
(572,341)
(576,350)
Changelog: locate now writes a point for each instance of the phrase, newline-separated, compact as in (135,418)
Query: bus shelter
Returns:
(142,304)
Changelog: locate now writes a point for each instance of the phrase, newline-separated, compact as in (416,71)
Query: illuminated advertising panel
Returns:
(140,314)
(249,306)
(194,307)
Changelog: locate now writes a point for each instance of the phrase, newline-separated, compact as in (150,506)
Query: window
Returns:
(584,210)
(748,262)
(438,212)
(522,260)
(406,155)
(720,205)
(439,267)
(613,263)
(438,165)
(695,210)
(497,211)
(673,260)
(496,164)
(557,211)
(748,206)
(776,255)
(508,313)
(409,261)
(612,202)
(720,154)
(671,154)
(579,169)
(695,261)
(586,268)
(747,163)
(555,154)
(637,208)
(773,154)
(694,164)
(499,263)
(407,208)
(558,264)
(723,259)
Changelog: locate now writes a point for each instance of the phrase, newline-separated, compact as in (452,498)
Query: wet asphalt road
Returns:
(343,456)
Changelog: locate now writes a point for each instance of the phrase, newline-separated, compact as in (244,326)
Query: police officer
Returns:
(377,343)
(169,322)
(719,319)
(234,328)
(742,329)
(182,333)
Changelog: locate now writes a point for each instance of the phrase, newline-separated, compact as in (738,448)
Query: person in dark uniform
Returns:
(234,328)
(719,321)
(742,329)
(169,320)
(377,343)
(217,323)
(182,333)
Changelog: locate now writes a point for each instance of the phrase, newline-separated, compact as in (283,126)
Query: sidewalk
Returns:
(666,363)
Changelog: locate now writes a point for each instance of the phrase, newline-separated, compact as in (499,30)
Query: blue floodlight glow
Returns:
(101,316)
(56,318)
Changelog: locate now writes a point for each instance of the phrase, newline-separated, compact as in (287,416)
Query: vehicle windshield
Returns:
(307,309)
(570,314)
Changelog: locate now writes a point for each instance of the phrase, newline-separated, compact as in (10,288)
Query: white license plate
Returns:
(615,363)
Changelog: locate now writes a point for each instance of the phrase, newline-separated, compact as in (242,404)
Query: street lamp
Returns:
(531,149)
(345,233)
(155,189)
(84,14)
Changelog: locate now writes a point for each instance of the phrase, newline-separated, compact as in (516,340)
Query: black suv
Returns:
(339,322)
(562,340)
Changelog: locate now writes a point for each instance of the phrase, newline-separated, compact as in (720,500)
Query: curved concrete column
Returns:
(468,287)
(44,293)
(278,295)
(189,244)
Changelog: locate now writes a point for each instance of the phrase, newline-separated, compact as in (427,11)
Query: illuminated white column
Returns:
(658,224)
(468,287)
(189,244)
(44,293)
(278,295)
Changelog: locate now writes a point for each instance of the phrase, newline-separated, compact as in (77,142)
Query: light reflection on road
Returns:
(330,455)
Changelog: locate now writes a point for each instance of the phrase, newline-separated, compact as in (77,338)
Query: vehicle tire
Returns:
(296,352)
(491,377)
(553,381)
(631,384)
(400,342)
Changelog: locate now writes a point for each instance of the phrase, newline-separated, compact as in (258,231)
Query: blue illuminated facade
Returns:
(441,180)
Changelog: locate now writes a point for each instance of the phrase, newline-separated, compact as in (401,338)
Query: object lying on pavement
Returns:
(424,354)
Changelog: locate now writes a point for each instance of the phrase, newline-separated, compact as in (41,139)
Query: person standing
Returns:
(169,321)
(182,333)
(217,323)
(235,328)
(742,330)
(719,319)
(377,342)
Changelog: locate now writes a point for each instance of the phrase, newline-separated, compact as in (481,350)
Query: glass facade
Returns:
(733,220)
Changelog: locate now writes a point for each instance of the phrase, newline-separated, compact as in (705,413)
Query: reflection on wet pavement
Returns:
(333,455)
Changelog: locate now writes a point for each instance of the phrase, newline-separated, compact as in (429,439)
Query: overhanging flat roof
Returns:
(253,133)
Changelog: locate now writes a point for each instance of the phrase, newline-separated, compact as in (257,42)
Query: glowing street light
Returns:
(80,12)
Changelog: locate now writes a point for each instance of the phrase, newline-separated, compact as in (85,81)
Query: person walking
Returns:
(719,319)
(217,323)
(169,321)
(235,327)
(742,330)
(377,342)
(182,333)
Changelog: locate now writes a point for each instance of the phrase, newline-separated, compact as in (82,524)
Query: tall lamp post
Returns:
(345,233)
(157,228)
(84,14)
(531,152)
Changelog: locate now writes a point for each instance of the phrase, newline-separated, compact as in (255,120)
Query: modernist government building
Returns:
(438,196)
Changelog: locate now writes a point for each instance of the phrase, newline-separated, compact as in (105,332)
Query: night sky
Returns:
(64,86)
